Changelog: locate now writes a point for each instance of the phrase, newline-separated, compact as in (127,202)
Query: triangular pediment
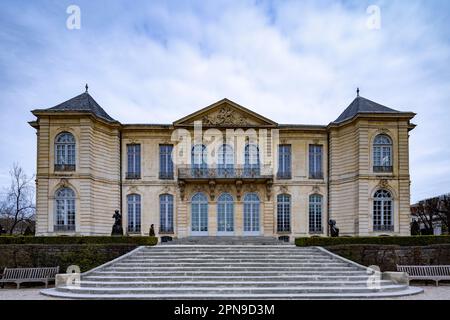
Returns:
(226,113)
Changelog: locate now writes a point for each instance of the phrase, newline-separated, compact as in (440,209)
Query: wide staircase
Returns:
(229,272)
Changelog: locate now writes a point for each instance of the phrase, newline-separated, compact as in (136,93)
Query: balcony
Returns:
(383,228)
(133,175)
(64,167)
(382,168)
(218,173)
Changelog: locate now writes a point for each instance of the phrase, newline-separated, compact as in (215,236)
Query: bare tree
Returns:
(18,204)
(431,211)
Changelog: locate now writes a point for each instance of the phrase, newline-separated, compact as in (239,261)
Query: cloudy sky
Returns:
(291,61)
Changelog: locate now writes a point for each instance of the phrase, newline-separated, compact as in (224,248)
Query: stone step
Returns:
(231,290)
(225,273)
(231,268)
(241,284)
(228,258)
(234,296)
(225,264)
(182,279)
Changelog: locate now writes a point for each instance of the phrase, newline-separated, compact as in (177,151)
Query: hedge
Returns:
(141,241)
(388,240)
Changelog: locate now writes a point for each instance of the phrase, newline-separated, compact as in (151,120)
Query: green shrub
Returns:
(392,240)
(141,241)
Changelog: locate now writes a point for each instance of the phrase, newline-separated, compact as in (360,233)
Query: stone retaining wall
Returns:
(86,256)
(388,256)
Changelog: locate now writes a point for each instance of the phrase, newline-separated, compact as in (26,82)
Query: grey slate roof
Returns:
(363,105)
(82,103)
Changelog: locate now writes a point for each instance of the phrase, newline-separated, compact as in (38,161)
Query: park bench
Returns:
(20,275)
(435,273)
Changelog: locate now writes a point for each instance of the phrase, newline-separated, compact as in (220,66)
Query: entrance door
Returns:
(225,214)
(251,214)
(199,215)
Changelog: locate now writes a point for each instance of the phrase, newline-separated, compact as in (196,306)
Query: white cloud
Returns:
(294,62)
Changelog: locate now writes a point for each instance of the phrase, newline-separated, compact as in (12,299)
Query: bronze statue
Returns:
(152,231)
(117,229)
(334,231)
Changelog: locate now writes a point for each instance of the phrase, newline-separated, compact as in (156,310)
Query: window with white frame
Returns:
(199,160)
(315,161)
(65,209)
(134,161)
(251,160)
(166,213)
(165,161)
(225,160)
(225,213)
(383,211)
(134,213)
(284,161)
(382,153)
(315,213)
(251,214)
(283,213)
(65,152)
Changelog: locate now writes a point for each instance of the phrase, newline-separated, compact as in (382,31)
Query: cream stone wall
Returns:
(95,180)
(352,177)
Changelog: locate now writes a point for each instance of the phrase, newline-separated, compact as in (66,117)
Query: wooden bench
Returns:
(20,275)
(435,273)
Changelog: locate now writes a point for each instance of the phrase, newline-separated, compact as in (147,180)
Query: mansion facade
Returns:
(222,170)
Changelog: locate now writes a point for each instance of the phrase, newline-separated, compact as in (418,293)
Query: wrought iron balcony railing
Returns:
(64,167)
(241,172)
(382,168)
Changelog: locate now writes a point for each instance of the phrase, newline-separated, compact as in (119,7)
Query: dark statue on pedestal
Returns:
(334,231)
(117,229)
(152,231)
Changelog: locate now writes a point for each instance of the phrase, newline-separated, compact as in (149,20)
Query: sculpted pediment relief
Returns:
(225,113)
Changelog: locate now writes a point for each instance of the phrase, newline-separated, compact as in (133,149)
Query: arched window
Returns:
(251,160)
(65,210)
(251,214)
(134,212)
(382,153)
(166,213)
(225,214)
(65,152)
(199,214)
(199,160)
(225,160)
(315,213)
(283,213)
(382,211)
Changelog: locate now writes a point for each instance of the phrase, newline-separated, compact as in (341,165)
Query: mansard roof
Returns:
(81,103)
(362,105)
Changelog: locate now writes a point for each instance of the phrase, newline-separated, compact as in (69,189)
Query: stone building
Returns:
(222,170)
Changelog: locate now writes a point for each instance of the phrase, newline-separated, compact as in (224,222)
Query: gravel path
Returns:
(431,293)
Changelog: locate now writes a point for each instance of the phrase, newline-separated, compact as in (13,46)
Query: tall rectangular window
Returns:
(165,161)
(315,161)
(284,161)
(134,161)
